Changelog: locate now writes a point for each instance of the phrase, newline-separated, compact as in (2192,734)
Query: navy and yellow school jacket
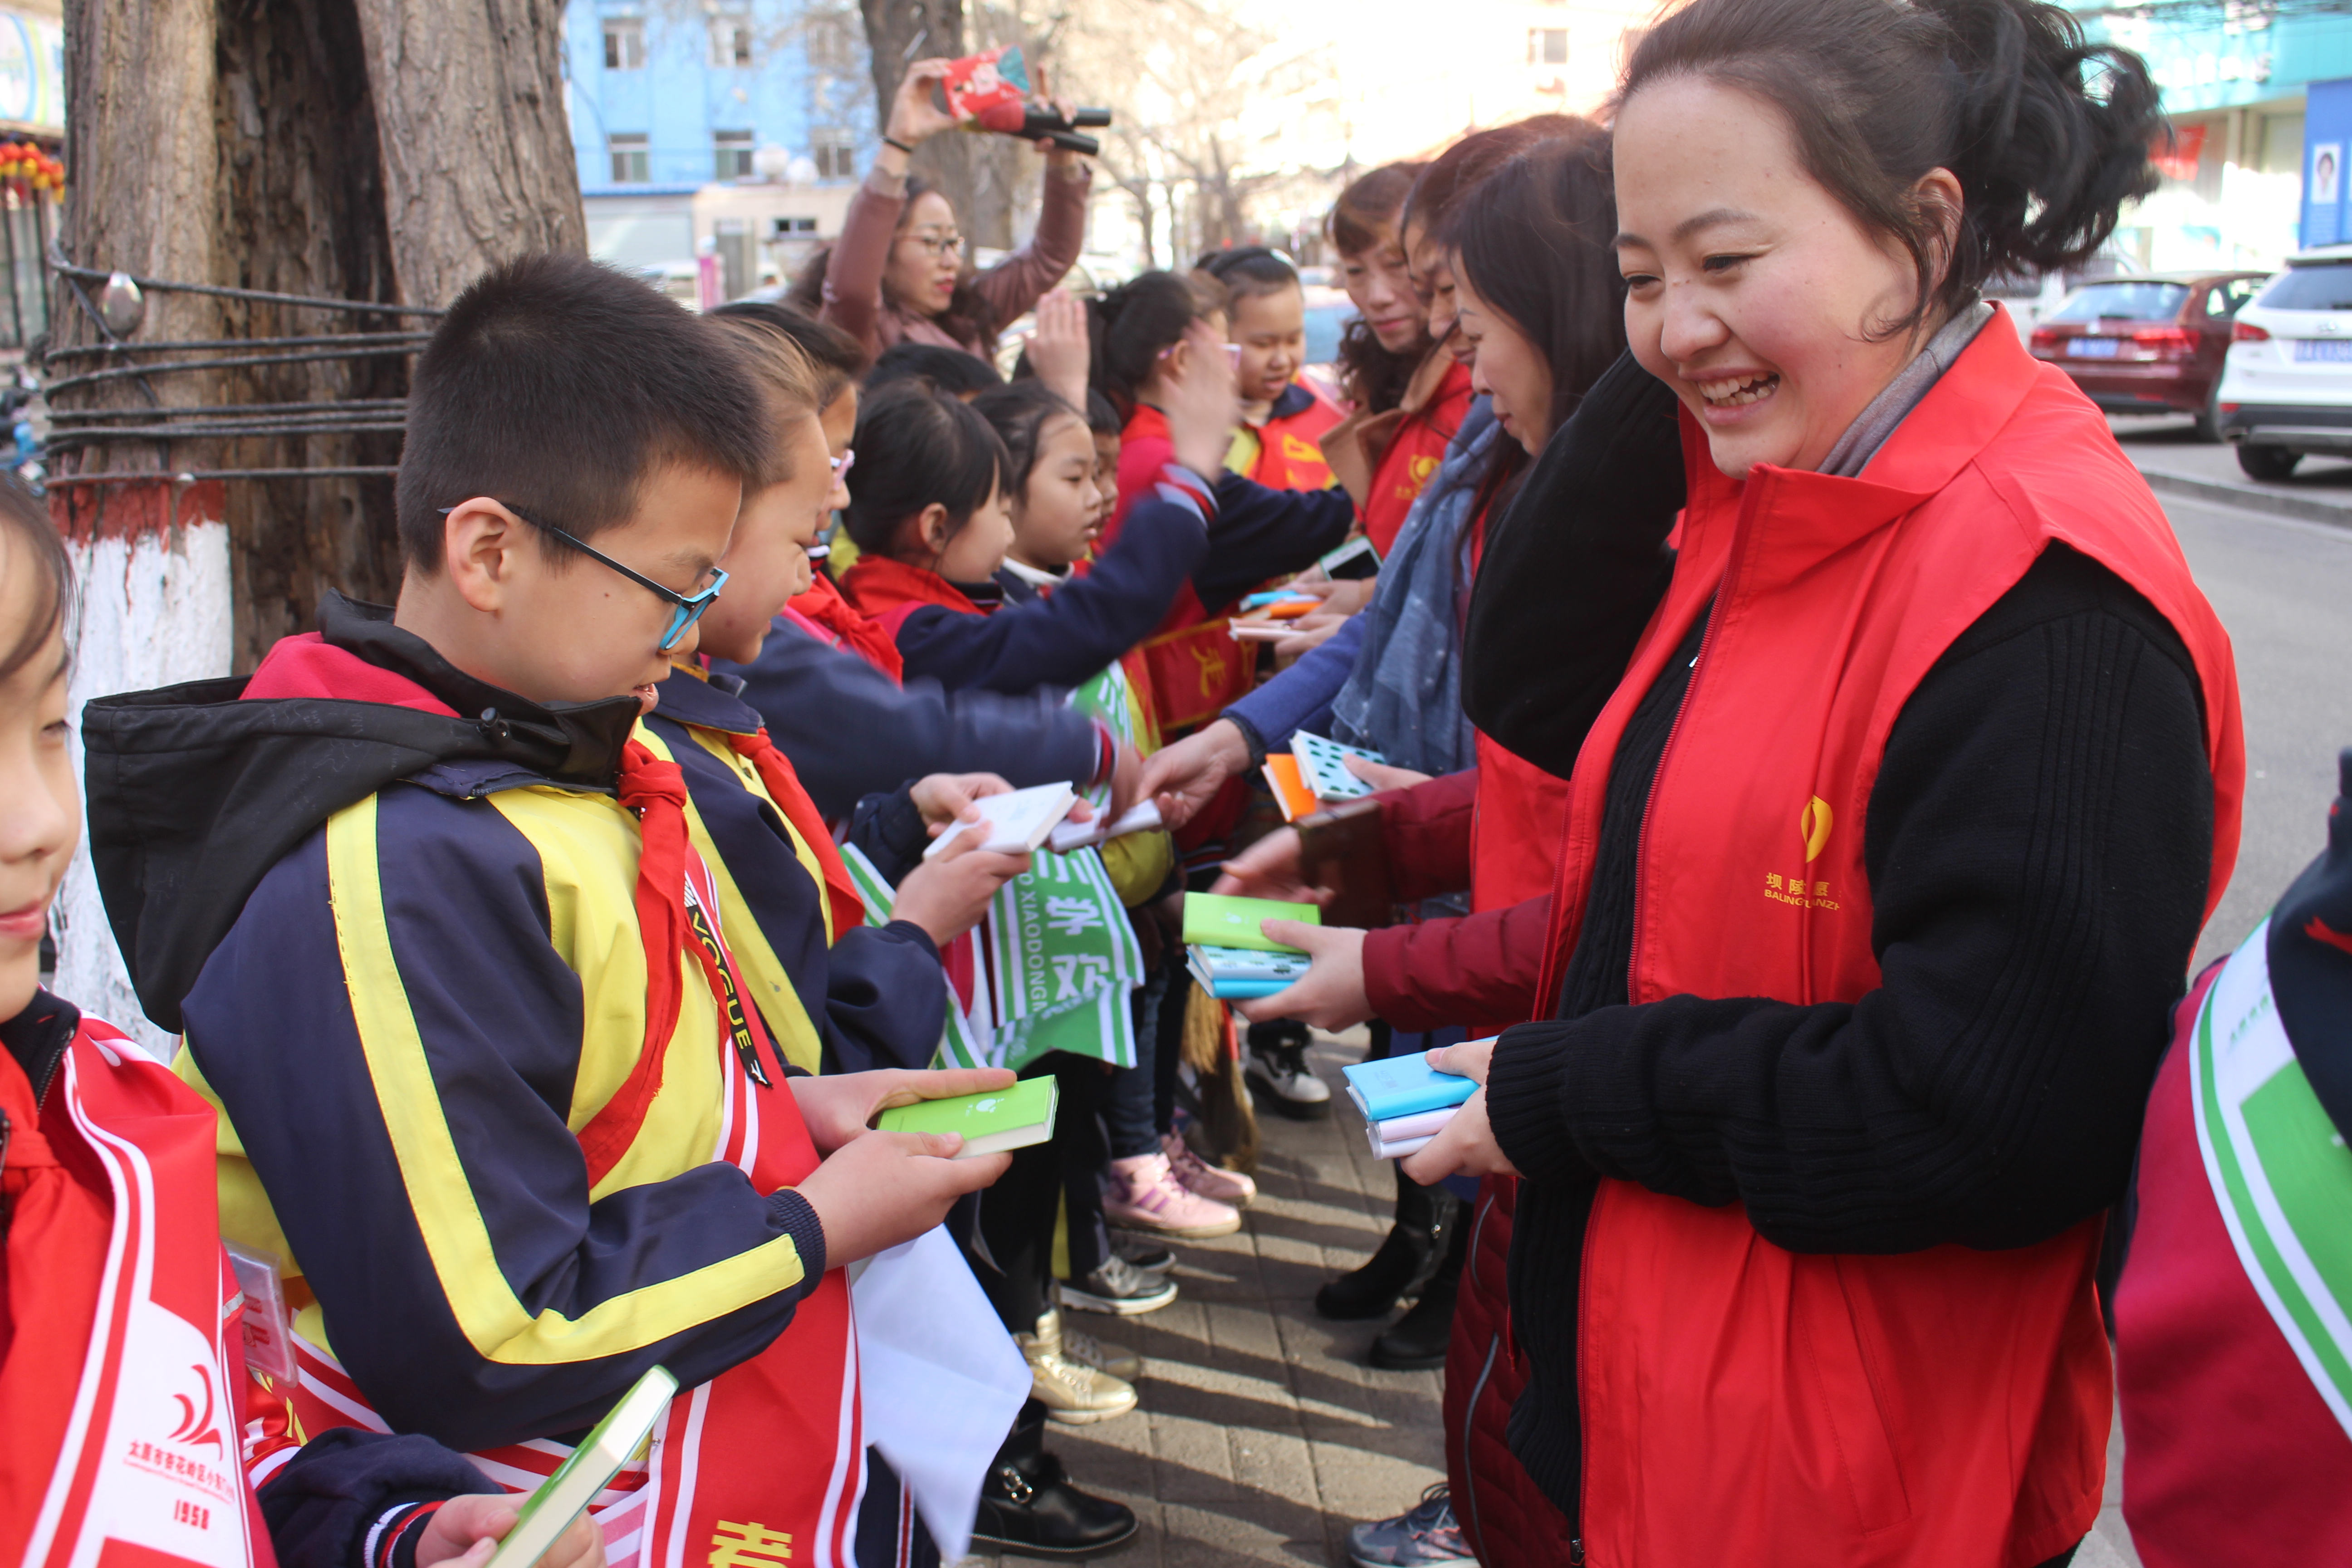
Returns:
(407,1012)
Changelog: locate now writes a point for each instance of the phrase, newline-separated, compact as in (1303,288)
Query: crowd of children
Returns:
(545,947)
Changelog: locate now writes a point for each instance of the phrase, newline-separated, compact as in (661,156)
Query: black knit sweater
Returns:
(2038,841)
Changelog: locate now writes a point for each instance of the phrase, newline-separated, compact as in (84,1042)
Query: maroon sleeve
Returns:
(1426,830)
(852,273)
(1477,970)
(1014,284)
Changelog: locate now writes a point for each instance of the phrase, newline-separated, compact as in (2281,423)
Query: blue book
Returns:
(1247,990)
(1403,1086)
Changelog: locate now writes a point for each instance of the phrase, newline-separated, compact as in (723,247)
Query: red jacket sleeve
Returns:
(1478,970)
(1426,830)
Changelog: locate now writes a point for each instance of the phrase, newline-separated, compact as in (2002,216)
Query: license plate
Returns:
(2094,348)
(2322,350)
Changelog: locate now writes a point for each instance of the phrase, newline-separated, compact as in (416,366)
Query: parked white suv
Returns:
(2287,387)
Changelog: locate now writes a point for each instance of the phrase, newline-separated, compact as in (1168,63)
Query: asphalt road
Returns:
(2284,589)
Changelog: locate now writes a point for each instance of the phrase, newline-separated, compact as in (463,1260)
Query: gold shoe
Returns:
(1072,1393)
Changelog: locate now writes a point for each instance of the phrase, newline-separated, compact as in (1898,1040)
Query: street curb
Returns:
(2305,507)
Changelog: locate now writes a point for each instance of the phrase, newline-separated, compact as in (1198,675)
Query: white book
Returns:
(1384,1150)
(1323,765)
(1421,1124)
(549,1511)
(1016,823)
(1401,1135)
(1069,836)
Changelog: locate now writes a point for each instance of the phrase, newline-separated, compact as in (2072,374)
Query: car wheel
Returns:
(2267,462)
(2208,419)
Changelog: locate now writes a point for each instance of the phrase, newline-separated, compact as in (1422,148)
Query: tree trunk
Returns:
(301,211)
(476,153)
(153,559)
(239,143)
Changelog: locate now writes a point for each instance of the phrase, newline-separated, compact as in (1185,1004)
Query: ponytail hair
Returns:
(2047,134)
(1140,319)
(915,448)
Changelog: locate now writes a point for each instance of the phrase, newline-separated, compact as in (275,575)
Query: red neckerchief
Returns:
(888,590)
(823,606)
(785,789)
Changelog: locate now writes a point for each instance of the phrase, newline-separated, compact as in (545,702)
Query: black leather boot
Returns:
(1404,1260)
(1028,1505)
(1417,1341)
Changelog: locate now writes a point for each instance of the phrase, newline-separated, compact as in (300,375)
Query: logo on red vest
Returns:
(1798,887)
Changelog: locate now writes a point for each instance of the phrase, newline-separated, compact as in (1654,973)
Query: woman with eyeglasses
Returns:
(897,274)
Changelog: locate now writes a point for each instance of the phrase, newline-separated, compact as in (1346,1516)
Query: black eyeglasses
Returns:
(687,609)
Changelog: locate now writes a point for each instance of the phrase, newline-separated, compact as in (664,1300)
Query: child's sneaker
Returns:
(1423,1536)
(1144,1193)
(1071,1391)
(1140,1252)
(1274,1065)
(1196,1174)
(1116,1286)
(1117,1361)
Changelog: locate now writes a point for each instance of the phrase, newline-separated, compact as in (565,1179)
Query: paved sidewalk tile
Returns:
(1262,1434)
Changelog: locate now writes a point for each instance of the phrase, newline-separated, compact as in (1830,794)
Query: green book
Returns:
(1213,921)
(551,1509)
(990,1122)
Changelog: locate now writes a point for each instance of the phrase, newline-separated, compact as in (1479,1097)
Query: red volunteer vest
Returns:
(1746,1405)
(1289,448)
(1413,455)
(122,1366)
(1196,666)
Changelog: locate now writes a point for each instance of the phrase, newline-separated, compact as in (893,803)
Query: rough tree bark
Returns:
(153,559)
(476,153)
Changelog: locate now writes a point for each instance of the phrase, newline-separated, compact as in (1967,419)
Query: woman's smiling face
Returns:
(1752,291)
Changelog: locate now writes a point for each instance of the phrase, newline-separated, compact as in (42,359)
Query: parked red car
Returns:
(2149,345)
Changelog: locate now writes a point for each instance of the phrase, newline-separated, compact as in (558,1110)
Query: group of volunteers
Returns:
(1809,767)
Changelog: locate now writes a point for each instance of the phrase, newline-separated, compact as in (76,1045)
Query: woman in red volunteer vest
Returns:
(1528,228)
(123,1363)
(1408,397)
(1883,862)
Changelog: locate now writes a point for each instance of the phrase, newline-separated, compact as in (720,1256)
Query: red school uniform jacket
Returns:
(1745,1404)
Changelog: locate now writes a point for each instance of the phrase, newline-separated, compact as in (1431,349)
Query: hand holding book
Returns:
(1465,1145)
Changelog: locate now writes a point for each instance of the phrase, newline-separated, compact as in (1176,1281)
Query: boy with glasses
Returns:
(513,1081)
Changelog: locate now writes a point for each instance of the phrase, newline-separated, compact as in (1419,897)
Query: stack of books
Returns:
(1231,957)
(1314,774)
(1404,1101)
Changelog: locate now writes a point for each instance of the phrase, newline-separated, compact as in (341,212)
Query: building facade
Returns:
(32,111)
(2238,79)
(718,141)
